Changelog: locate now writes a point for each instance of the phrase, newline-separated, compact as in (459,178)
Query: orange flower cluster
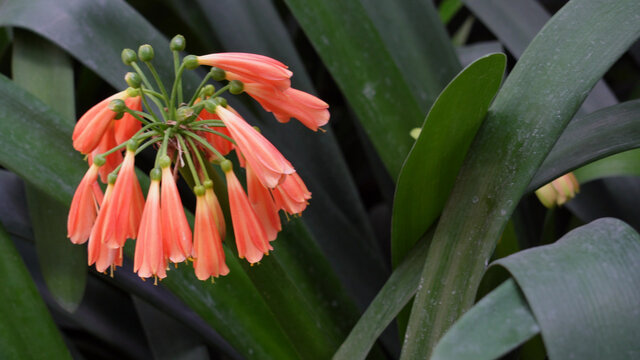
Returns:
(188,135)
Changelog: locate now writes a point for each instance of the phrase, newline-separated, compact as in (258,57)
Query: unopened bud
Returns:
(190,62)
(210,105)
(145,53)
(208,90)
(236,87)
(128,56)
(133,79)
(183,113)
(117,105)
(218,74)
(177,43)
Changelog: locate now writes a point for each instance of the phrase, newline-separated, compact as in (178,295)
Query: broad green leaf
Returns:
(36,66)
(430,170)
(26,328)
(622,164)
(515,23)
(232,306)
(497,324)
(542,93)
(583,291)
(592,137)
(393,296)
(361,55)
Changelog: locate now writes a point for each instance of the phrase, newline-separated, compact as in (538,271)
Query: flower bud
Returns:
(155,174)
(99,160)
(208,184)
(133,80)
(190,62)
(132,145)
(128,56)
(183,113)
(236,87)
(164,161)
(177,43)
(145,53)
(198,190)
(210,105)
(226,166)
(117,105)
(208,90)
(218,74)
(220,101)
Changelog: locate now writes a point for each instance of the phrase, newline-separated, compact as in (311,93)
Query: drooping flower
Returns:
(125,211)
(267,162)
(176,232)
(83,211)
(292,195)
(251,68)
(149,258)
(209,258)
(263,205)
(99,253)
(290,103)
(114,159)
(221,144)
(127,126)
(214,204)
(251,239)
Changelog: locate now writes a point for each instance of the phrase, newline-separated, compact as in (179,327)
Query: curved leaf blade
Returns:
(582,313)
(430,170)
(506,154)
(591,137)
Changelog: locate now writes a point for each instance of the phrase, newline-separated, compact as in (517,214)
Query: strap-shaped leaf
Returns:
(497,324)
(542,93)
(353,39)
(589,138)
(26,328)
(583,291)
(430,170)
(515,23)
(36,65)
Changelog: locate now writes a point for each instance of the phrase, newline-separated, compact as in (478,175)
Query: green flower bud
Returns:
(218,74)
(226,166)
(99,160)
(183,113)
(155,174)
(177,43)
(220,101)
(210,106)
(208,90)
(198,190)
(128,56)
(190,62)
(117,105)
(133,79)
(164,161)
(236,87)
(145,53)
(118,116)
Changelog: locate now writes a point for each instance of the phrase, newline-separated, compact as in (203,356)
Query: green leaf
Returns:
(448,9)
(542,92)
(515,23)
(592,137)
(393,296)
(389,94)
(26,328)
(497,324)
(36,65)
(430,170)
(583,291)
(622,164)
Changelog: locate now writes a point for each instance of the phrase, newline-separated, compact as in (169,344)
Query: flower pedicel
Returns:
(190,135)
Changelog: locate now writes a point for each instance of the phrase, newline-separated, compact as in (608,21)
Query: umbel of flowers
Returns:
(190,135)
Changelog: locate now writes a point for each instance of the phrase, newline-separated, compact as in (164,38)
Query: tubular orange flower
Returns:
(267,162)
(292,195)
(83,211)
(209,259)
(149,258)
(221,144)
(123,215)
(263,205)
(176,233)
(100,254)
(214,204)
(114,159)
(251,239)
(250,68)
(126,127)
(308,109)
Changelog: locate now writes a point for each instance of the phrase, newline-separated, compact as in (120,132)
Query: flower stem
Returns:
(187,155)
(205,143)
(199,156)
(197,92)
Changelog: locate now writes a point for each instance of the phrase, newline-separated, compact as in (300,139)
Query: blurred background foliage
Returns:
(341,274)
